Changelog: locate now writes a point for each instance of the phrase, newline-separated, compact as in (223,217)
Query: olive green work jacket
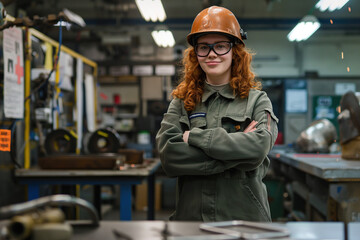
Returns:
(220,169)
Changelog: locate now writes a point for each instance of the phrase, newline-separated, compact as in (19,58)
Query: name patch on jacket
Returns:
(195,115)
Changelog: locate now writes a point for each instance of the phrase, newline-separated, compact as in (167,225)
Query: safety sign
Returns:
(13,73)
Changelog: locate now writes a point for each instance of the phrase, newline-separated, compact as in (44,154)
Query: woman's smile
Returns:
(213,63)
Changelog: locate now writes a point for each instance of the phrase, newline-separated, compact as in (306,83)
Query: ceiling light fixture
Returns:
(330,5)
(163,38)
(304,29)
(70,19)
(151,10)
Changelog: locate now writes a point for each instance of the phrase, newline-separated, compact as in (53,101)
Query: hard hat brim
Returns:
(192,37)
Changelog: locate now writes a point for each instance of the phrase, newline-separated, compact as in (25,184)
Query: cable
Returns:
(12,152)
(56,60)
(46,81)
(58,54)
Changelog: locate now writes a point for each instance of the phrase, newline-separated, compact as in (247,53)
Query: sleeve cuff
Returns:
(200,138)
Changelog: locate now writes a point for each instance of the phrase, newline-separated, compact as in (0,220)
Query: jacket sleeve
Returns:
(179,158)
(248,149)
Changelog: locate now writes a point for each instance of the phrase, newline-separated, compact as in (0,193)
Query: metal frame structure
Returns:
(33,32)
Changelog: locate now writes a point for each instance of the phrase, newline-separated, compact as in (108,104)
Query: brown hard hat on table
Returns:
(216,20)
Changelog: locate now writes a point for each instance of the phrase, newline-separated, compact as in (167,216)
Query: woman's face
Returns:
(217,67)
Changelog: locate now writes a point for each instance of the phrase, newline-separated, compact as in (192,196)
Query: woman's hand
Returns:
(251,127)
(186,136)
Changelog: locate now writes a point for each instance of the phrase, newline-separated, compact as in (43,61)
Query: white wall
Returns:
(274,54)
(277,57)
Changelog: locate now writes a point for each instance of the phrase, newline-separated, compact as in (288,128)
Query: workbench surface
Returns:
(153,230)
(141,230)
(142,170)
(330,167)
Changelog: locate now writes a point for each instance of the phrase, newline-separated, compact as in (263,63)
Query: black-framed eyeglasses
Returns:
(220,48)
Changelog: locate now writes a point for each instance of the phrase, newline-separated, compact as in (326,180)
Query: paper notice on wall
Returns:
(66,71)
(296,100)
(5,140)
(13,73)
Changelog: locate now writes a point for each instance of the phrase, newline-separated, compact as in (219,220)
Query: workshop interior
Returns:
(84,86)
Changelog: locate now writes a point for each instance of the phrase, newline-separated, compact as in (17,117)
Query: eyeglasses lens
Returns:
(220,48)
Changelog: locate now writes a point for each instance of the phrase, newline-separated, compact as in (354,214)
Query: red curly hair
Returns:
(191,88)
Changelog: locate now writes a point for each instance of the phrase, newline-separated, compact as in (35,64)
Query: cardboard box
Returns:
(141,197)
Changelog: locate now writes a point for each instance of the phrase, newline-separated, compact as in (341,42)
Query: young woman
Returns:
(219,127)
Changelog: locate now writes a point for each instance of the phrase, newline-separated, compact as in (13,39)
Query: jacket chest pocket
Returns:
(235,123)
(184,123)
(188,124)
(198,122)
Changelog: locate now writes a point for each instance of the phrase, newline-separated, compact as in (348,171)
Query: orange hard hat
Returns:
(216,20)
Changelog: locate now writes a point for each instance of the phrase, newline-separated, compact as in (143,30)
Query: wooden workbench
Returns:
(327,185)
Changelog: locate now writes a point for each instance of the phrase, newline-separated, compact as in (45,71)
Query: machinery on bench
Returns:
(104,152)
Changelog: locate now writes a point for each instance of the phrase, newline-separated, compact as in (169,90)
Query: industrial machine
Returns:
(317,138)
(42,219)
(104,140)
(349,126)
(104,147)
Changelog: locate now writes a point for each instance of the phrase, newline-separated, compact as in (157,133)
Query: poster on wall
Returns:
(13,73)
(66,71)
(296,101)
(342,88)
(325,106)
(296,96)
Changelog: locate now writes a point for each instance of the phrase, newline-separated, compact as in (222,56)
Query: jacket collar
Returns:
(226,92)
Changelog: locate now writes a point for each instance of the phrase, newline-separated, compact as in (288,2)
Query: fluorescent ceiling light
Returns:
(163,38)
(331,5)
(304,29)
(151,10)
